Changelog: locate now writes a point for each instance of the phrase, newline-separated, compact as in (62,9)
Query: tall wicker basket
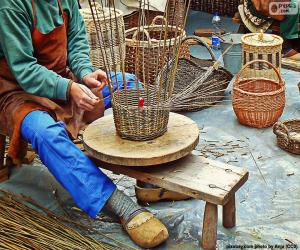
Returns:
(259,46)
(143,56)
(258,102)
(112,37)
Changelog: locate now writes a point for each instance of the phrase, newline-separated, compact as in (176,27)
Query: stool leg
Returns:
(229,220)
(3,168)
(209,230)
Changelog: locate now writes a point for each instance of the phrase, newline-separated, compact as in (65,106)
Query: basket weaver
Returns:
(150,47)
(206,93)
(288,135)
(111,25)
(257,101)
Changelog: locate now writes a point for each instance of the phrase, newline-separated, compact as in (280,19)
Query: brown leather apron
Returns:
(50,50)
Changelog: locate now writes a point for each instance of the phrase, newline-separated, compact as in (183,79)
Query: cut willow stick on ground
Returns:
(22,227)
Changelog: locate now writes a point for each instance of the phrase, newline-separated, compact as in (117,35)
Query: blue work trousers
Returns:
(86,183)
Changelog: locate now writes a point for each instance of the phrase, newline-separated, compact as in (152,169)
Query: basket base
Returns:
(131,137)
(258,119)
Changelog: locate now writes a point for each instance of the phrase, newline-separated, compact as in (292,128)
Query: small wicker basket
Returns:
(260,46)
(147,50)
(257,101)
(288,135)
(189,69)
(139,124)
(112,37)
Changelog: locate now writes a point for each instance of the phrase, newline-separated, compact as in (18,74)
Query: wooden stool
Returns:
(214,182)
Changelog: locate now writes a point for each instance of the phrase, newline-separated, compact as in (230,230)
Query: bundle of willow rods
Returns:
(26,225)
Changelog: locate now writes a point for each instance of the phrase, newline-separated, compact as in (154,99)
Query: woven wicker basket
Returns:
(144,57)
(112,38)
(262,47)
(189,69)
(134,123)
(176,13)
(223,7)
(132,20)
(258,102)
(288,135)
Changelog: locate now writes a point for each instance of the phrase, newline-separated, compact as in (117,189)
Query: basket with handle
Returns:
(205,93)
(257,101)
(288,135)
(112,42)
(151,47)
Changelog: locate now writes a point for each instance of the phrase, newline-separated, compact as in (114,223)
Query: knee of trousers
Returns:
(40,127)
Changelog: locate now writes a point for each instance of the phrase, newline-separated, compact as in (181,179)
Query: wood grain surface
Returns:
(101,141)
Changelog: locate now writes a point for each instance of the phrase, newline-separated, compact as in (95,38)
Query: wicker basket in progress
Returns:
(135,123)
(206,93)
(288,135)
(147,51)
(223,7)
(112,37)
(258,102)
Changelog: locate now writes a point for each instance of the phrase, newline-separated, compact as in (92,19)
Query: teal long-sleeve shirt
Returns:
(16,24)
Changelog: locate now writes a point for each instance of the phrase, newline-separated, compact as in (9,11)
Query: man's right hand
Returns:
(83,96)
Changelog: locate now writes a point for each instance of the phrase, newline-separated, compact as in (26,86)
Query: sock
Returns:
(121,205)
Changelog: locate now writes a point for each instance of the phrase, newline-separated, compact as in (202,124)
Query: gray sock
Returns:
(121,205)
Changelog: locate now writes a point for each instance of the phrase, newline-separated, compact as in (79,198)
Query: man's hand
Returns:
(97,79)
(83,97)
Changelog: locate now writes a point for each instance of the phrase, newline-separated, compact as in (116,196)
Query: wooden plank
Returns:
(290,64)
(209,229)
(101,142)
(192,175)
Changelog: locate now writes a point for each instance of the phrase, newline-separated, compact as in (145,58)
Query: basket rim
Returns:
(275,92)
(243,39)
(153,42)
(87,14)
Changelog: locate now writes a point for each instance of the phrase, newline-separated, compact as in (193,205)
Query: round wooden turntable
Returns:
(102,142)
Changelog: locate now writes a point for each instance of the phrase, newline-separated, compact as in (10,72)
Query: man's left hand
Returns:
(97,79)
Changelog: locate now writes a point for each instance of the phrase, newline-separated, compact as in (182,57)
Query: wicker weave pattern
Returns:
(258,102)
(189,69)
(262,50)
(145,58)
(134,123)
(176,14)
(223,7)
(112,38)
(288,135)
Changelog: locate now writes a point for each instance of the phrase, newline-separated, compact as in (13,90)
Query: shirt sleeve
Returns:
(78,48)
(16,43)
